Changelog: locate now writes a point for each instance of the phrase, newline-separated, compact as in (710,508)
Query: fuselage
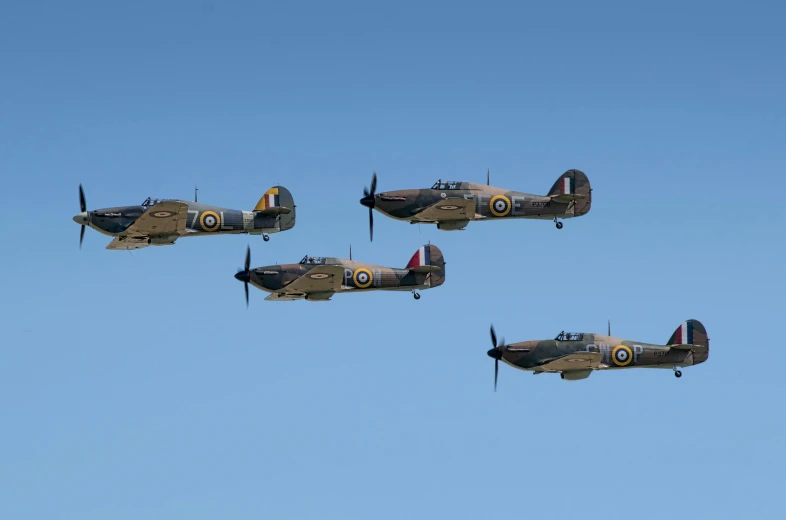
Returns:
(357,276)
(202,219)
(615,352)
(490,203)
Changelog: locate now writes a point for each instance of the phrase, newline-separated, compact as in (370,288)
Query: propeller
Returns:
(245,275)
(83,209)
(496,354)
(369,201)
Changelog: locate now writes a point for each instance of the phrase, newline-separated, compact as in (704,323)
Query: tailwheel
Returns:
(265,237)
(557,223)
(416,295)
(677,372)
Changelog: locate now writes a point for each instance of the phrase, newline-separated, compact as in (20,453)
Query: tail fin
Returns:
(429,259)
(278,201)
(691,335)
(690,332)
(573,186)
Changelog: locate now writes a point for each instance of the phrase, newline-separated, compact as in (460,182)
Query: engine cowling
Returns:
(575,375)
(452,225)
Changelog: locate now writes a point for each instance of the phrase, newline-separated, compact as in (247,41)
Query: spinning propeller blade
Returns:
(369,201)
(496,354)
(83,209)
(245,275)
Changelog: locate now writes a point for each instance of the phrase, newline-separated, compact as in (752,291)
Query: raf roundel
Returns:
(318,276)
(621,355)
(499,205)
(362,278)
(210,221)
(163,214)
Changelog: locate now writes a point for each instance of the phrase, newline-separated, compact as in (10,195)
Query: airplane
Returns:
(161,222)
(451,205)
(319,278)
(575,355)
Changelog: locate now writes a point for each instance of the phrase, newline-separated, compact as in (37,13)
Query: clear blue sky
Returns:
(139,386)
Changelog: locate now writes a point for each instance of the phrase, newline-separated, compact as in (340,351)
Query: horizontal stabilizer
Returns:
(425,269)
(567,197)
(684,347)
(275,210)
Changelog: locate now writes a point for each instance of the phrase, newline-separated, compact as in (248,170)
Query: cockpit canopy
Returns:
(151,202)
(313,260)
(570,336)
(446,185)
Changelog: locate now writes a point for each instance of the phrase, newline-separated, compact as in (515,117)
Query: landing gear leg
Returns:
(265,237)
(416,295)
(677,372)
(558,223)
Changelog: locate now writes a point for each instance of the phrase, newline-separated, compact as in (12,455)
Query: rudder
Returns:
(573,186)
(278,201)
(426,259)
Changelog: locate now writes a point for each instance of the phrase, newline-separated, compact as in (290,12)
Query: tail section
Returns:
(692,335)
(278,201)
(429,259)
(573,186)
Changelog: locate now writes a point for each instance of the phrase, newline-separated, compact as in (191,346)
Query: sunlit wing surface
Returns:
(448,209)
(128,244)
(575,361)
(165,218)
(325,278)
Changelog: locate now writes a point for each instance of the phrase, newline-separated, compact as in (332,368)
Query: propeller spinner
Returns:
(369,201)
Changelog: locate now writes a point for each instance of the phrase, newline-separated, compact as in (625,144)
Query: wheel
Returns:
(265,238)
(417,296)
(559,225)
(677,373)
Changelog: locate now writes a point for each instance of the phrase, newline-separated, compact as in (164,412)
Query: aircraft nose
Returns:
(368,201)
(494,353)
(81,218)
(243,276)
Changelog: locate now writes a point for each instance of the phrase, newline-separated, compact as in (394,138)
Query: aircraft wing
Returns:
(575,361)
(448,209)
(321,279)
(127,244)
(165,218)
(284,297)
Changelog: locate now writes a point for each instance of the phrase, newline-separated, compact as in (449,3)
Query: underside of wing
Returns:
(575,361)
(448,209)
(165,218)
(127,244)
(322,279)
(284,297)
